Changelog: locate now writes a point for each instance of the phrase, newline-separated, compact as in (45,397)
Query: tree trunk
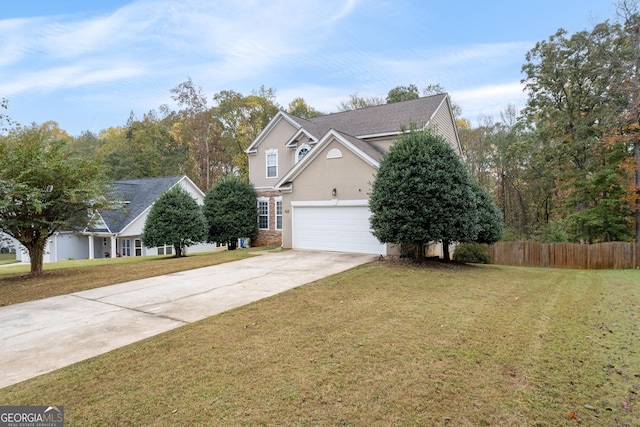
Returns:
(636,153)
(445,250)
(178,250)
(36,254)
(419,250)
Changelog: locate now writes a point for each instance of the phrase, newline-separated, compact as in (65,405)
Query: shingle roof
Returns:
(138,195)
(386,118)
(365,147)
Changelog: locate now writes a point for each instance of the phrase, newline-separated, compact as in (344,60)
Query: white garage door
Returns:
(335,228)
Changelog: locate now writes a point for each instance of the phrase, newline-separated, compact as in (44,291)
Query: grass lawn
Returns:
(7,258)
(380,345)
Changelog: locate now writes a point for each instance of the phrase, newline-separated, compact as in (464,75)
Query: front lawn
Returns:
(7,259)
(383,344)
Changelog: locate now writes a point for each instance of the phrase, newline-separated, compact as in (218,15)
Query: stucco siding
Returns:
(349,175)
(274,140)
(383,144)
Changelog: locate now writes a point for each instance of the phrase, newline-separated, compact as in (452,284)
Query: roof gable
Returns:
(138,195)
(360,148)
(281,115)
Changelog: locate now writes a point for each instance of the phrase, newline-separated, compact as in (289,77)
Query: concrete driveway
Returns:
(42,336)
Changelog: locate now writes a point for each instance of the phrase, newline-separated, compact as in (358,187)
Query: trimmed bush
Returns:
(473,253)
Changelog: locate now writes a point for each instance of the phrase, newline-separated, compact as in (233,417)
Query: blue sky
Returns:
(87,65)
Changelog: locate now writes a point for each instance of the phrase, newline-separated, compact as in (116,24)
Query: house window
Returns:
(263,213)
(301,152)
(165,250)
(279,213)
(272,163)
(126,247)
(334,153)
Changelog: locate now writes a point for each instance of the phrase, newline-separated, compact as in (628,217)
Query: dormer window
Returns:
(272,163)
(301,152)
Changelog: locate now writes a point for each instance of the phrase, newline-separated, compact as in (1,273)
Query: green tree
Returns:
(355,102)
(45,186)
(490,226)
(573,101)
(436,89)
(422,193)
(231,210)
(197,129)
(175,219)
(629,121)
(146,148)
(402,93)
(6,123)
(299,108)
(240,119)
(88,145)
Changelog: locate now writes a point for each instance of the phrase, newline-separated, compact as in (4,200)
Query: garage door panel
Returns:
(335,228)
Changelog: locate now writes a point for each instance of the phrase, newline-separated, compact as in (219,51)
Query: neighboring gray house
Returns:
(313,176)
(7,243)
(116,232)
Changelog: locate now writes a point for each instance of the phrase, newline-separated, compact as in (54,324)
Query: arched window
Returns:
(334,153)
(301,152)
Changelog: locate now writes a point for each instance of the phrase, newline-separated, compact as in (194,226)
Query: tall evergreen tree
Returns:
(231,210)
(422,193)
(175,219)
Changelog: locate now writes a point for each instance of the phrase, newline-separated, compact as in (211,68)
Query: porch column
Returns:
(91,250)
(114,247)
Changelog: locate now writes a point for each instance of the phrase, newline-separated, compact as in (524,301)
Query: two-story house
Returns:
(313,176)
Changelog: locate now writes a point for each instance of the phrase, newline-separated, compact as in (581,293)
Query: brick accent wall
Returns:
(271,236)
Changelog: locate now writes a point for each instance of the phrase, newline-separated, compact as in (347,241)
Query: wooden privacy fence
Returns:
(566,255)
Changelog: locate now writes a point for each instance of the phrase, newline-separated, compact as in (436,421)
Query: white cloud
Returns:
(131,57)
(489,100)
(16,42)
(232,39)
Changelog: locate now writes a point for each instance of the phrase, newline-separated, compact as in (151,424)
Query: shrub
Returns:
(475,253)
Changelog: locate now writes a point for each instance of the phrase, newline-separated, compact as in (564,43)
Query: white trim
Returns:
(123,247)
(334,153)
(324,203)
(145,212)
(306,160)
(293,141)
(263,200)
(300,148)
(269,153)
(272,124)
(378,135)
(277,200)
